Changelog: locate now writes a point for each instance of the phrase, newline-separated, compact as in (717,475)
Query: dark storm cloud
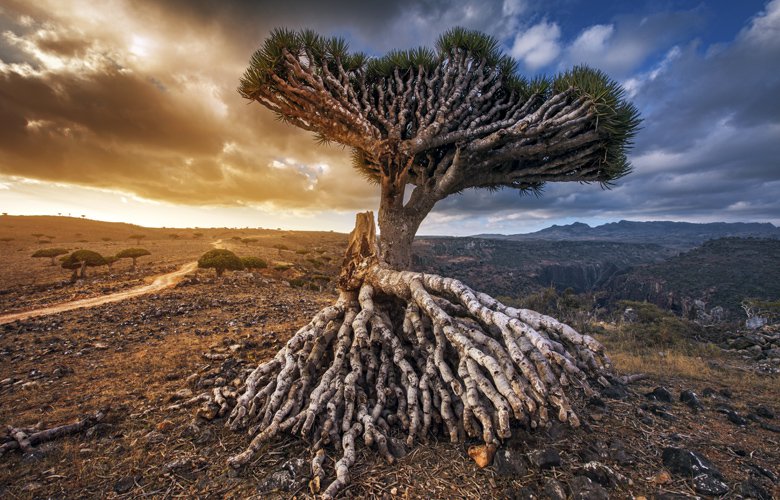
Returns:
(709,148)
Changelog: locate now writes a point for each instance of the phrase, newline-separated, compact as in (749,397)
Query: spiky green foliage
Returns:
(252,262)
(220,260)
(79,257)
(133,253)
(382,107)
(50,253)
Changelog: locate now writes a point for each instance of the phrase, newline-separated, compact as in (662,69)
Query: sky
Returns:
(127,110)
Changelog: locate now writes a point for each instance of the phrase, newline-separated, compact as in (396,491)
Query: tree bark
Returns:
(399,222)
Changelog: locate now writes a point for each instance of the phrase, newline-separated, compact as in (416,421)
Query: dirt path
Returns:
(160,283)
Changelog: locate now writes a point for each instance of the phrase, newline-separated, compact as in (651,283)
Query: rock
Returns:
(752,488)
(154,437)
(179,395)
(707,484)
(98,430)
(617,452)
(691,399)
(554,490)
(178,464)
(726,393)
(735,418)
(662,477)
(125,484)
(293,475)
(165,426)
(688,463)
(582,488)
(482,454)
(764,472)
(397,447)
(615,391)
(763,411)
(510,462)
(660,394)
(545,459)
(605,476)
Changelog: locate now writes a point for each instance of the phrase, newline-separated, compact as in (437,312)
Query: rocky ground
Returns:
(674,435)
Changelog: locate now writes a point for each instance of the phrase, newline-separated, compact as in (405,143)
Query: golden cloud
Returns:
(147,105)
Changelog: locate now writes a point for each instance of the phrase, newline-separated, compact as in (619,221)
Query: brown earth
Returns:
(134,355)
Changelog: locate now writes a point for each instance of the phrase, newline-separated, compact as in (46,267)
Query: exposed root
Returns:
(413,354)
(24,439)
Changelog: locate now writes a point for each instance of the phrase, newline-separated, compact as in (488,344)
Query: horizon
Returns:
(419,235)
(128,112)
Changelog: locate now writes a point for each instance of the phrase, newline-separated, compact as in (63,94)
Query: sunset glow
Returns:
(136,101)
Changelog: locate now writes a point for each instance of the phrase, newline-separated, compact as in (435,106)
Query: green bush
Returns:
(220,260)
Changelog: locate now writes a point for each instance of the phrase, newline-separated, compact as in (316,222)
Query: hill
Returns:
(719,273)
(682,235)
(517,267)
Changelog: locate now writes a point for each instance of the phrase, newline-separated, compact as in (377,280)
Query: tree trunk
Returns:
(83,270)
(133,264)
(398,224)
(409,354)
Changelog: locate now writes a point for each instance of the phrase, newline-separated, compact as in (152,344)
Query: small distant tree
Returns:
(197,235)
(37,235)
(79,260)
(236,238)
(247,241)
(174,236)
(110,260)
(137,238)
(220,260)
(106,238)
(253,263)
(279,247)
(50,253)
(133,253)
(6,239)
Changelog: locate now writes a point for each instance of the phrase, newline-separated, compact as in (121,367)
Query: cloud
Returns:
(155,113)
(629,41)
(537,46)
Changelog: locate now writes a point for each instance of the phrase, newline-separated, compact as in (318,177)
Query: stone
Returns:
(553,490)
(707,484)
(545,459)
(618,453)
(752,488)
(154,437)
(510,462)
(660,394)
(582,488)
(662,477)
(687,463)
(615,391)
(125,484)
(165,426)
(600,473)
(736,419)
(763,411)
(482,454)
(98,430)
(691,399)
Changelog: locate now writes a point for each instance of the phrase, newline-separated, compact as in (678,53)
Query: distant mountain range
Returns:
(679,235)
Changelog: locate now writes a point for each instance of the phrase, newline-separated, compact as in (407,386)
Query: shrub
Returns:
(254,262)
(220,260)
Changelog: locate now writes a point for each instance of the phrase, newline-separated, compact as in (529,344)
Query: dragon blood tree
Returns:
(403,353)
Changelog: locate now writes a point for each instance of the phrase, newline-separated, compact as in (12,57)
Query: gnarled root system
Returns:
(414,354)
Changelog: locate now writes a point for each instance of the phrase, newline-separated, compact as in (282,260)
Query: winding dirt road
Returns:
(160,283)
